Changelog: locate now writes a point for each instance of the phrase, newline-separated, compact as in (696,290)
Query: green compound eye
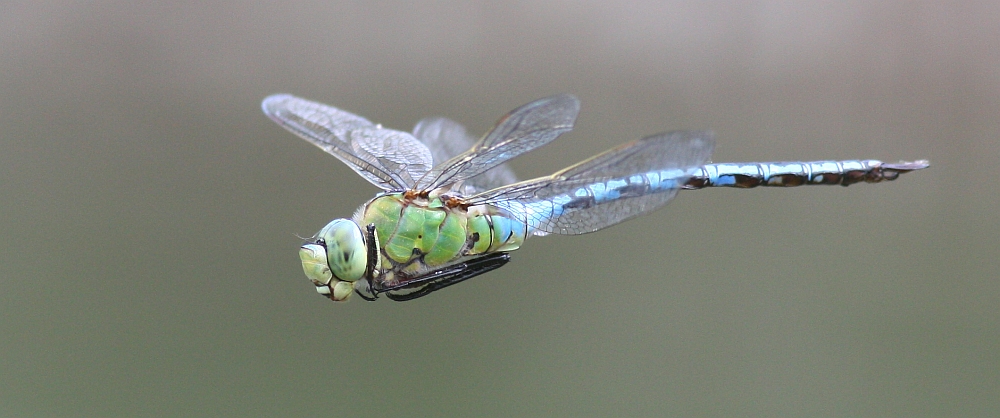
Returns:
(346,253)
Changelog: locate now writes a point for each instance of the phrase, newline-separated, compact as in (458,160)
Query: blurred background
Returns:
(151,212)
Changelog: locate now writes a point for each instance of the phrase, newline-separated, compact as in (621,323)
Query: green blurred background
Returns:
(150,213)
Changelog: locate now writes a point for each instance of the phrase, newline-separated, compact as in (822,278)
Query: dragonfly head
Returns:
(335,258)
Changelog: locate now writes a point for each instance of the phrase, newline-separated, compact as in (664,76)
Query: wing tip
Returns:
(269,102)
(571,99)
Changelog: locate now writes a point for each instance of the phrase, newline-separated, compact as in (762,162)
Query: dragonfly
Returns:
(451,209)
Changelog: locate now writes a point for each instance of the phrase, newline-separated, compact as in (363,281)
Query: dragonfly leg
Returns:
(433,281)
(372,262)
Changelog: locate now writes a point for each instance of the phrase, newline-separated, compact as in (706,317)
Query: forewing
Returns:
(621,183)
(446,139)
(390,159)
(522,130)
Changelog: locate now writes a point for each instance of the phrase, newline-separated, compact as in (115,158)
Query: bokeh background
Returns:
(150,213)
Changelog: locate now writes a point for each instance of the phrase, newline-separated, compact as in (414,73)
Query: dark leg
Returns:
(439,279)
(372,261)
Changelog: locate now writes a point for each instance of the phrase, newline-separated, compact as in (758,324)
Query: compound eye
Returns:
(346,254)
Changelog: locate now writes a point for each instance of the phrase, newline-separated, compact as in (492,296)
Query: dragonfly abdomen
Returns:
(573,210)
(637,185)
(791,174)
(492,232)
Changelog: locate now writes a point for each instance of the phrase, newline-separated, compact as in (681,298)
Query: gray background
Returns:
(148,243)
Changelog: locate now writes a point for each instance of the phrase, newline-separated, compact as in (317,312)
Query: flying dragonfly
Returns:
(450,209)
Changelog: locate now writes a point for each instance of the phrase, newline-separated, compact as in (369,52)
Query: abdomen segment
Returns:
(790,174)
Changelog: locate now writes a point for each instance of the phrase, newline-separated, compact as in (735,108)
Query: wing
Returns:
(390,159)
(611,187)
(446,139)
(522,130)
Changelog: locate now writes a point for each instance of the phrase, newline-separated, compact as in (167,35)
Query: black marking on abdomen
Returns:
(583,202)
(633,190)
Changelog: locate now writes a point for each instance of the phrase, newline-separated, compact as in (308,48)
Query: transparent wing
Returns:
(446,139)
(522,130)
(611,187)
(390,159)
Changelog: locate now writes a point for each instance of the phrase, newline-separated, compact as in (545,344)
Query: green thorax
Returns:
(418,233)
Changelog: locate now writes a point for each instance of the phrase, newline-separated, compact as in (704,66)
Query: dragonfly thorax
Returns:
(416,234)
(415,231)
